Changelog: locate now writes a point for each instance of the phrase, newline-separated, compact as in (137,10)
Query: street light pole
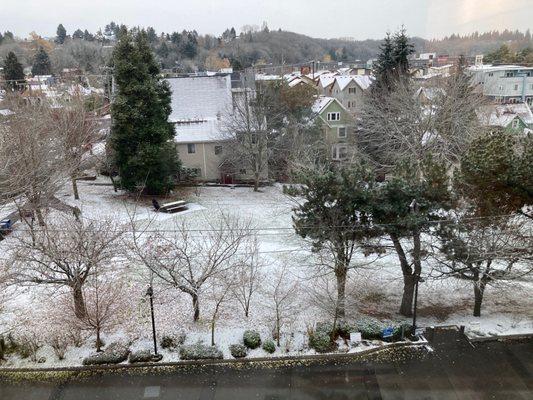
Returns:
(150,294)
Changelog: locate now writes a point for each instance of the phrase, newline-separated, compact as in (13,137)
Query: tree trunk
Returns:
(79,303)
(213,332)
(256,182)
(40,218)
(340,308)
(195,306)
(479,289)
(406,308)
(98,340)
(75,188)
(115,186)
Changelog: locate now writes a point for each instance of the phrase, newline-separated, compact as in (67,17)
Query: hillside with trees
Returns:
(189,51)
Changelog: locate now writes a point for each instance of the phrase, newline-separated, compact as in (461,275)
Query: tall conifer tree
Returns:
(41,63)
(145,155)
(13,71)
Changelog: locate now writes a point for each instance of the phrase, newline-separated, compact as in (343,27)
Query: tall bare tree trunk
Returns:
(195,306)
(479,289)
(79,303)
(406,307)
(256,182)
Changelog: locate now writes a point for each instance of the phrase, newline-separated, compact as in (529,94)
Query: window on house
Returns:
(191,148)
(352,90)
(334,116)
(515,124)
(341,131)
(339,152)
(501,87)
(491,73)
(515,87)
(218,150)
(509,74)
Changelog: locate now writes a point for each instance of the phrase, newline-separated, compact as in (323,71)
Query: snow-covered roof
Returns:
(318,73)
(320,103)
(200,97)
(326,79)
(363,81)
(491,68)
(503,114)
(200,131)
(266,77)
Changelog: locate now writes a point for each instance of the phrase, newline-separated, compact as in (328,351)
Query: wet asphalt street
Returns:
(454,370)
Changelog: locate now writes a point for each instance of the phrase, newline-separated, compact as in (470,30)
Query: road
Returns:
(454,370)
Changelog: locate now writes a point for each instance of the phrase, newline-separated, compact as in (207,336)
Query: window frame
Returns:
(339,132)
(336,113)
(191,146)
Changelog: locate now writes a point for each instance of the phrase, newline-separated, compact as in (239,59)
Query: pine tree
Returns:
(13,71)
(78,34)
(41,63)
(61,34)
(384,66)
(141,136)
(402,50)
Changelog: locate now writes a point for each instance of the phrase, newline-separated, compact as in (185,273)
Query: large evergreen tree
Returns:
(145,155)
(61,34)
(403,48)
(13,71)
(41,63)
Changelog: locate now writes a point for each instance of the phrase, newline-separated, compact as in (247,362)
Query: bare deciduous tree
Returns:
(65,253)
(248,275)
(104,302)
(281,292)
(186,258)
(77,131)
(33,164)
(247,129)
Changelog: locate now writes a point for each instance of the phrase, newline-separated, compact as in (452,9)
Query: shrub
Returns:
(27,346)
(370,328)
(200,351)
(269,346)
(114,353)
(251,339)
(172,342)
(60,344)
(397,332)
(140,356)
(238,350)
(320,340)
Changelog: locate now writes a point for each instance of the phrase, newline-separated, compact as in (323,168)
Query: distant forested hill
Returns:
(189,51)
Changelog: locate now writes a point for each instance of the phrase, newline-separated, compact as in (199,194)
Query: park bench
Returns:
(171,207)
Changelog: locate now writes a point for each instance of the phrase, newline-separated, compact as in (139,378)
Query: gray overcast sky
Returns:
(317,18)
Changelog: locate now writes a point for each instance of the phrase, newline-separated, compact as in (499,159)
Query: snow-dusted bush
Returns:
(60,344)
(320,339)
(370,328)
(172,342)
(140,356)
(251,339)
(407,330)
(113,354)
(238,350)
(27,346)
(200,351)
(269,346)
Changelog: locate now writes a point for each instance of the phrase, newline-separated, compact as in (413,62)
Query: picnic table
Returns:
(171,207)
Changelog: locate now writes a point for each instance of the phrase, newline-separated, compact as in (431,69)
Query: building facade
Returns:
(504,83)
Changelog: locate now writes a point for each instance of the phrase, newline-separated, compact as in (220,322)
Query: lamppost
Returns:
(150,294)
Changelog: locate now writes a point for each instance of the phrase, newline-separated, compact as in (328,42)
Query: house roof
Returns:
(321,103)
(200,97)
(200,131)
(363,81)
(503,114)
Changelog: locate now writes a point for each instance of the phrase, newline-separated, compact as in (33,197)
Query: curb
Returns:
(516,336)
(226,362)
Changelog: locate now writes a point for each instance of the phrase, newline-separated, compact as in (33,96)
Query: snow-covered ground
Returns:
(373,290)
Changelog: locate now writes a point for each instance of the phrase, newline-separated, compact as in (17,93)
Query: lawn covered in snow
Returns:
(373,290)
